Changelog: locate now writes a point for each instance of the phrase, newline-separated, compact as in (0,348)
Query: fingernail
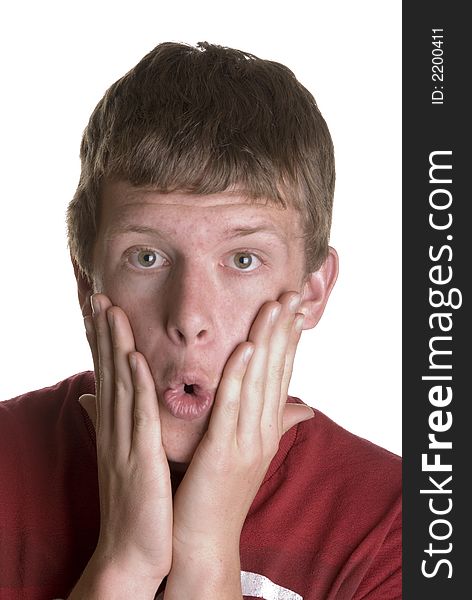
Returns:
(95,305)
(309,415)
(294,302)
(132,361)
(248,353)
(275,313)
(299,320)
(88,325)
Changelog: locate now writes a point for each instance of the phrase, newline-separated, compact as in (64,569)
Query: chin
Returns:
(179,458)
(181,442)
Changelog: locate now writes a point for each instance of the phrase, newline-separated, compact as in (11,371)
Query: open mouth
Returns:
(188,401)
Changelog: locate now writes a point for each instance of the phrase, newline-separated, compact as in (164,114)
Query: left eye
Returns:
(146,258)
(246,261)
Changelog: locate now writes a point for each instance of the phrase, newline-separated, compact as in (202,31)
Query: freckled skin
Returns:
(191,308)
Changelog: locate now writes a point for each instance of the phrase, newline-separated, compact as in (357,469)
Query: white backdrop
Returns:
(57,59)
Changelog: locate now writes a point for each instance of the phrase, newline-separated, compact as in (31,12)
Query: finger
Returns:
(254,386)
(146,431)
(276,364)
(88,402)
(105,380)
(289,361)
(92,341)
(122,340)
(294,414)
(224,418)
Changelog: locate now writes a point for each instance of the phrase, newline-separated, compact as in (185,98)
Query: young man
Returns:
(181,468)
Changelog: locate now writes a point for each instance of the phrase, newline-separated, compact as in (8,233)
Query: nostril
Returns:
(185,338)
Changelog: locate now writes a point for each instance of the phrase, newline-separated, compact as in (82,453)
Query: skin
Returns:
(195,310)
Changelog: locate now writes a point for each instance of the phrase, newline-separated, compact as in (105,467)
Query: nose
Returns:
(189,309)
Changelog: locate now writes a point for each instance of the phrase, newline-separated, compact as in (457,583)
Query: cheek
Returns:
(123,290)
(240,309)
(139,303)
(236,316)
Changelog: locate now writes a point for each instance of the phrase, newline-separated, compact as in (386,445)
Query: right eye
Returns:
(146,258)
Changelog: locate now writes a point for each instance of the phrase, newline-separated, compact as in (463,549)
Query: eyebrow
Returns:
(234,232)
(117,229)
(229,233)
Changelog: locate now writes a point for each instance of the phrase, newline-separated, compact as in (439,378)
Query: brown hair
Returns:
(202,120)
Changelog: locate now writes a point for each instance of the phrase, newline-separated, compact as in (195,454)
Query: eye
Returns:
(146,258)
(246,261)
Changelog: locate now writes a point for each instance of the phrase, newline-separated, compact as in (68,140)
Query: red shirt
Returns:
(325,524)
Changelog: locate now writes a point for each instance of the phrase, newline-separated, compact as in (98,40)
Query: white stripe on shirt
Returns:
(258,586)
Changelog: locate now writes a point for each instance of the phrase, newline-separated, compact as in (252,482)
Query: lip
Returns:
(188,406)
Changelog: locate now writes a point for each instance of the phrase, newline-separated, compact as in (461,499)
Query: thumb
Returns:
(89,403)
(296,413)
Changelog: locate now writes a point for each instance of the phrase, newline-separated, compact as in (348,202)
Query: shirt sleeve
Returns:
(383,580)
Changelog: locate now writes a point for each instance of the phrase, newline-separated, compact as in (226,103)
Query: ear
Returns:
(84,289)
(317,288)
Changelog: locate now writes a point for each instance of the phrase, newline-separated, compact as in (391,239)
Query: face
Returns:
(191,273)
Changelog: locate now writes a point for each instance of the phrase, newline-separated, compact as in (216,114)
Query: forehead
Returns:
(125,207)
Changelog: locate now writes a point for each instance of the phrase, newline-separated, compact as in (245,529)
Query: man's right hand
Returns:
(135,541)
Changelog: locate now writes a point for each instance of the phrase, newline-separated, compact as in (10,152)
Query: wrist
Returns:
(210,572)
(114,580)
